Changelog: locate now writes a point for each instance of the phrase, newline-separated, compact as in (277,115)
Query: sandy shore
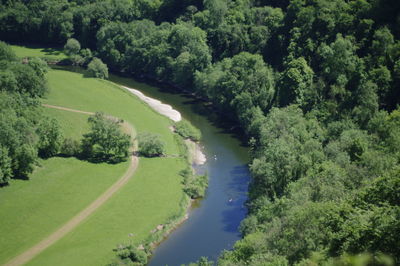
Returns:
(158,106)
(196,155)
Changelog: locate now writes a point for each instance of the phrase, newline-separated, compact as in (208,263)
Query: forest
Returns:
(314,84)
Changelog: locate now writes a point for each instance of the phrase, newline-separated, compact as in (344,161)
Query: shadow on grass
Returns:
(96,159)
(19,177)
(52,51)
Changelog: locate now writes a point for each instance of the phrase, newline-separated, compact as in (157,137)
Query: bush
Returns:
(97,68)
(70,147)
(187,130)
(72,47)
(50,137)
(131,254)
(194,185)
(150,145)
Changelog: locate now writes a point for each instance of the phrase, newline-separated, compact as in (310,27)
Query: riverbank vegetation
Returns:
(187,131)
(314,85)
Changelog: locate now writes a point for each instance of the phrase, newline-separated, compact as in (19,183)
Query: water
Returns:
(213,223)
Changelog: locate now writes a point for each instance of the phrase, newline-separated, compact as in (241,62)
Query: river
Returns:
(213,222)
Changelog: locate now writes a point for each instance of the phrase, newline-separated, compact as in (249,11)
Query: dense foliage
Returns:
(150,145)
(105,141)
(97,68)
(187,131)
(25,133)
(313,83)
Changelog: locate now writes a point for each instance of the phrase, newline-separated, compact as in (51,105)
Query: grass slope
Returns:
(36,51)
(73,125)
(75,91)
(56,191)
(149,199)
(62,187)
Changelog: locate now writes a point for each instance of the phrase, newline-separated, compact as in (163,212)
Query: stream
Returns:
(213,221)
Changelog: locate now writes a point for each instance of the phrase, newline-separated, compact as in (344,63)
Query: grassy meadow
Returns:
(61,187)
(36,51)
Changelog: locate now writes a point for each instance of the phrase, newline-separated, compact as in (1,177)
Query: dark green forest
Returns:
(314,84)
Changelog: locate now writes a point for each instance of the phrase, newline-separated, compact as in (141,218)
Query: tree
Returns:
(97,68)
(227,81)
(39,65)
(6,52)
(28,81)
(296,83)
(72,47)
(50,137)
(105,141)
(5,166)
(150,145)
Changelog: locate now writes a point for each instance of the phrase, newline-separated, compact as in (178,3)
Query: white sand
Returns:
(158,106)
(197,155)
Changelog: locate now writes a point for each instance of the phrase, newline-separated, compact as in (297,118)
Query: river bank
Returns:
(195,158)
(213,223)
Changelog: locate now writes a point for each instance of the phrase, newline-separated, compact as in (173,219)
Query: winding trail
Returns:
(77,219)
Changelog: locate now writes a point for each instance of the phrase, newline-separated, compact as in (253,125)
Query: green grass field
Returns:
(35,51)
(61,187)
(58,190)
(73,125)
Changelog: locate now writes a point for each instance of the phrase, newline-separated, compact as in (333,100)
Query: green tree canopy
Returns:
(72,47)
(97,68)
(105,141)
(150,145)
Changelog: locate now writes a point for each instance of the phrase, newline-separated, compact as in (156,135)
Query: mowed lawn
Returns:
(62,187)
(59,189)
(36,51)
(73,125)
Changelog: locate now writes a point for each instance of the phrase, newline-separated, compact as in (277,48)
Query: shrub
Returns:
(72,47)
(150,145)
(97,68)
(131,254)
(187,130)
(70,147)
(194,185)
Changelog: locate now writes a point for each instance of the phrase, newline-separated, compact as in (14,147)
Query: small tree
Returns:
(98,69)
(50,137)
(87,56)
(150,145)
(105,141)
(70,147)
(72,47)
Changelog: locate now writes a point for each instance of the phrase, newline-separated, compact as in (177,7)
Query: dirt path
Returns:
(76,220)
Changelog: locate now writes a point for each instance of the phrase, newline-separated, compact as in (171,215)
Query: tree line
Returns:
(313,83)
(25,133)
